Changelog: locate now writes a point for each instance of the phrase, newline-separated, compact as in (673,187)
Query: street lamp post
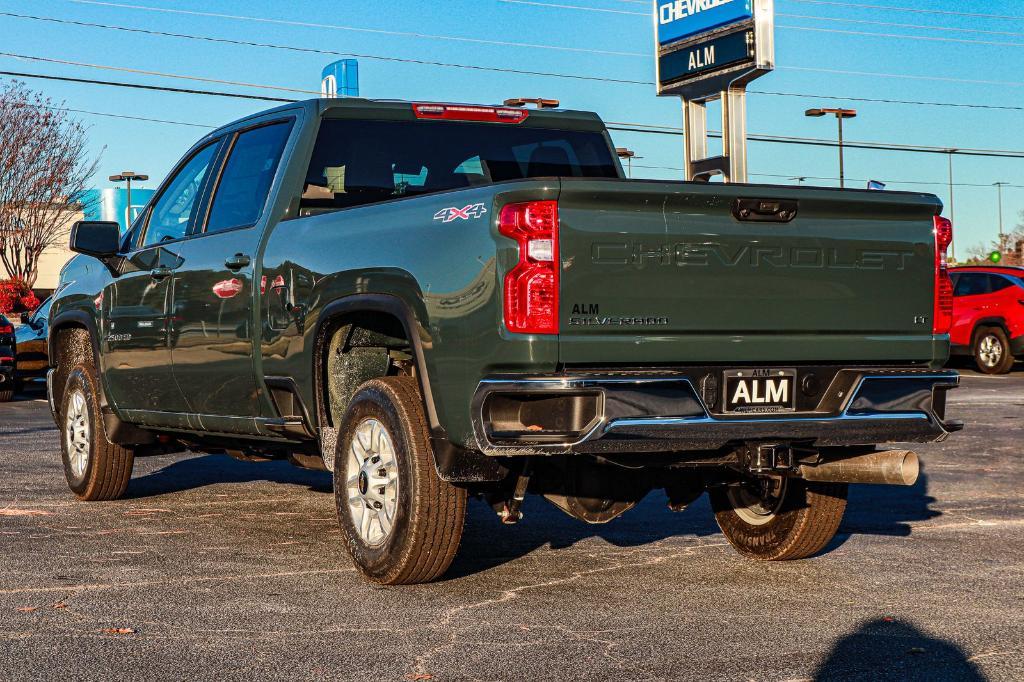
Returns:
(127,177)
(840,114)
(628,155)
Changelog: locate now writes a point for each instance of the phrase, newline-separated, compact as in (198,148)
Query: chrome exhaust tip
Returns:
(888,467)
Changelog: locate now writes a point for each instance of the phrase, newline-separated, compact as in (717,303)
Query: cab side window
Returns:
(998,283)
(174,211)
(971,284)
(245,183)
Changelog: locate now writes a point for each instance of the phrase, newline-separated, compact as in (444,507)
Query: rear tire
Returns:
(402,524)
(992,352)
(95,468)
(793,519)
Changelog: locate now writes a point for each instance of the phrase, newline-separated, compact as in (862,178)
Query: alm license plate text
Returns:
(760,391)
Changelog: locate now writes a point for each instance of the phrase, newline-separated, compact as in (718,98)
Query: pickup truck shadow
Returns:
(487,543)
(891,650)
(887,509)
(202,470)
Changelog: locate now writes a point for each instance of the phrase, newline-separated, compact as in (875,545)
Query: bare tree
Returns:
(43,171)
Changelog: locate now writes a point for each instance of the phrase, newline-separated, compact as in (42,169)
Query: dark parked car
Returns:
(6,360)
(32,360)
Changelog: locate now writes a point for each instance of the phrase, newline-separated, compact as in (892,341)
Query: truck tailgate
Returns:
(666,272)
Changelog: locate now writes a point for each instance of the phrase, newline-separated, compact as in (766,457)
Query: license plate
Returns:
(760,391)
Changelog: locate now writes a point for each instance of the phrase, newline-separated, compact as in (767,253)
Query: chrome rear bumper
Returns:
(666,412)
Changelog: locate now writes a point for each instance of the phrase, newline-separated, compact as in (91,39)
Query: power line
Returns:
(576,7)
(818,142)
(358,29)
(140,86)
(163,74)
(914,10)
(132,118)
(882,100)
(788,176)
(484,68)
(903,36)
(612,125)
(923,27)
(967,41)
(311,50)
(876,74)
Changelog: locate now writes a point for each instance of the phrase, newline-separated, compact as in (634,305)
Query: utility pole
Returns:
(1002,237)
(840,114)
(952,205)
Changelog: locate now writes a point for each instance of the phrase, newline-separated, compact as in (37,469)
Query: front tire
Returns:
(402,524)
(95,469)
(779,519)
(992,351)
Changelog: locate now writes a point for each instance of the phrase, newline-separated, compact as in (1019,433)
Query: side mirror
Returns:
(97,238)
(26,318)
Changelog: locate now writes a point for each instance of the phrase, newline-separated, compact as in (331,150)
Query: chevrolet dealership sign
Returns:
(680,19)
(706,46)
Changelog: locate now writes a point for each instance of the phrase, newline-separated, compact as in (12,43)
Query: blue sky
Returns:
(607,38)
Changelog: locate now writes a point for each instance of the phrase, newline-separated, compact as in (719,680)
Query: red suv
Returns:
(988,315)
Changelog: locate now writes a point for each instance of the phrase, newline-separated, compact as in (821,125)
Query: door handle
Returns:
(237,262)
(160,274)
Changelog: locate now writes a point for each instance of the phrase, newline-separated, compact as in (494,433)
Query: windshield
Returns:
(42,312)
(360,162)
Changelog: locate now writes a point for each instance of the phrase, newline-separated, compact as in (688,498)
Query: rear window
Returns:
(361,162)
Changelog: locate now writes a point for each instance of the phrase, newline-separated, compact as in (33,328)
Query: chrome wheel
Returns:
(371,475)
(990,350)
(77,433)
(758,501)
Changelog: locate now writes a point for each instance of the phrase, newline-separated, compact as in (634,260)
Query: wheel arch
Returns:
(364,308)
(453,463)
(66,321)
(982,323)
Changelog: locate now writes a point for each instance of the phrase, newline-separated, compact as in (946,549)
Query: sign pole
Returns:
(734,129)
(711,51)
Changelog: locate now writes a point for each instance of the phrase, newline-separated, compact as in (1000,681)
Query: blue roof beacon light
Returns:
(340,79)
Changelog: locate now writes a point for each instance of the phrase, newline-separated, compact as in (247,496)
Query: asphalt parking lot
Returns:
(218,569)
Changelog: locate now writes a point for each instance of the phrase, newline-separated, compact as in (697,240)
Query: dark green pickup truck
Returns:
(436,300)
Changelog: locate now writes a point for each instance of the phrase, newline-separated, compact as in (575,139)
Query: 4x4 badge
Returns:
(446,215)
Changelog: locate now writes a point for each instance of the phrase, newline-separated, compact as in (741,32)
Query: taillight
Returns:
(6,329)
(531,287)
(467,112)
(6,360)
(942,317)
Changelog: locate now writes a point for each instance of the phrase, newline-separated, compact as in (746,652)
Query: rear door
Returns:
(971,302)
(211,334)
(656,272)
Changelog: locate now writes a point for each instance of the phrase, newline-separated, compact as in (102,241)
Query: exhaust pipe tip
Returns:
(888,467)
(911,467)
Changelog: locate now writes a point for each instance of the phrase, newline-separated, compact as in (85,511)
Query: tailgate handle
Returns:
(765,210)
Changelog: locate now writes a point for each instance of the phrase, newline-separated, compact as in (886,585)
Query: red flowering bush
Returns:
(16,297)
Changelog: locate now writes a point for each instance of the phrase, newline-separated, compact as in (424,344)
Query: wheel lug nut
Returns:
(382,472)
(377,505)
(380,490)
(375,459)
